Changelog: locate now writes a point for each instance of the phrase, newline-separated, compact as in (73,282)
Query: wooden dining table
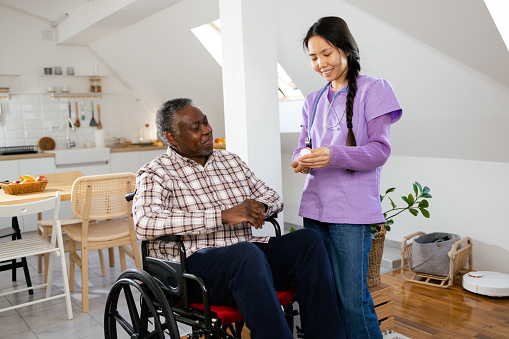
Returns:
(56,182)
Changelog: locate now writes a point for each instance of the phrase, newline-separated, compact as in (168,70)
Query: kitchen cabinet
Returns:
(132,161)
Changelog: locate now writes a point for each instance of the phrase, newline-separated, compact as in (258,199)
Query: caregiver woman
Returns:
(347,126)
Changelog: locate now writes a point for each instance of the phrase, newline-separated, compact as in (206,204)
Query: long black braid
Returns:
(354,68)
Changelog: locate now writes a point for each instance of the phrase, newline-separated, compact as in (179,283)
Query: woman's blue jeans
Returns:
(348,247)
(249,274)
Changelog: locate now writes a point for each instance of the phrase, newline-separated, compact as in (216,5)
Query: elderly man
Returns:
(212,199)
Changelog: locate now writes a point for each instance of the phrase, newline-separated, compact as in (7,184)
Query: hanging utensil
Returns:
(93,122)
(70,123)
(77,123)
(82,112)
(99,125)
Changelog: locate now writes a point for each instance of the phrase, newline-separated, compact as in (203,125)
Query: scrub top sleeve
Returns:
(380,99)
(372,155)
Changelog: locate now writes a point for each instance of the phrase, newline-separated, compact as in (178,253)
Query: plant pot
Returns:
(375,257)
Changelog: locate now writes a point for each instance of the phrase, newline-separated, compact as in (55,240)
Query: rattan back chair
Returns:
(44,225)
(99,200)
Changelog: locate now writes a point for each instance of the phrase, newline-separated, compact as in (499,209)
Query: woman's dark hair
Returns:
(165,116)
(336,32)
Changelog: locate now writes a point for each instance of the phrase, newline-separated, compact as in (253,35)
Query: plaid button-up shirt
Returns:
(176,195)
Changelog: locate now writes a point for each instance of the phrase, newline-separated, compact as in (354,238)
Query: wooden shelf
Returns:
(75,95)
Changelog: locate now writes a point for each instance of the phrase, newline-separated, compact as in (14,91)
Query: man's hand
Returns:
(250,211)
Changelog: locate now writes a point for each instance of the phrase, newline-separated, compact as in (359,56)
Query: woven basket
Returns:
(375,257)
(26,187)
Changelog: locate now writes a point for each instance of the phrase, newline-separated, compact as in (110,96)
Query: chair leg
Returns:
(111,255)
(66,285)
(84,279)
(72,252)
(121,256)
(27,275)
(46,258)
(101,260)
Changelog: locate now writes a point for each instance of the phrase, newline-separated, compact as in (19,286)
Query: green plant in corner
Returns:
(414,204)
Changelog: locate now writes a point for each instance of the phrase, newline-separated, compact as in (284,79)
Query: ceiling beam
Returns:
(97,19)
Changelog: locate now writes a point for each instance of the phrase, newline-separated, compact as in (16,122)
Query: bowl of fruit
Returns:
(26,184)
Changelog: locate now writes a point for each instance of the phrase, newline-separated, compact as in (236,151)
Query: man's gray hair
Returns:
(165,117)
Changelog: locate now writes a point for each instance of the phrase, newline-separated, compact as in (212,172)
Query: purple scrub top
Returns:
(331,194)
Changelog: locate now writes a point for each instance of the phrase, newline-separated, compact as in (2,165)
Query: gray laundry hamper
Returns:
(435,258)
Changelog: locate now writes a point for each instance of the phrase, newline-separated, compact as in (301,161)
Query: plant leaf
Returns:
(413,211)
(427,195)
(292,229)
(405,199)
(387,227)
(392,189)
(425,189)
(423,203)
(419,185)
(389,222)
(416,190)
(392,203)
(411,199)
(424,212)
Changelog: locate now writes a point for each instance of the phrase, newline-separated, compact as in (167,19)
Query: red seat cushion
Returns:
(231,314)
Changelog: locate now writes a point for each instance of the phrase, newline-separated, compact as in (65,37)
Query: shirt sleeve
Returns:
(154,218)
(372,155)
(263,193)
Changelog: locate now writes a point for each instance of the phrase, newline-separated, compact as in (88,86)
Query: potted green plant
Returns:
(414,204)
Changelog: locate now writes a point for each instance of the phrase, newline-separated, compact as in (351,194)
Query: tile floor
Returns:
(49,319)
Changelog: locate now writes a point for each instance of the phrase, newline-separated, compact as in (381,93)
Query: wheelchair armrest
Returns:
(130,196)
(273,221)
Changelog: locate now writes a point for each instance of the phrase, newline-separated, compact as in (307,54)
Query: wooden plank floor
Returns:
(422,311)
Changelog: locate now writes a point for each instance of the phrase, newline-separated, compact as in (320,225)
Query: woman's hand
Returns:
(298,168)
(318,158)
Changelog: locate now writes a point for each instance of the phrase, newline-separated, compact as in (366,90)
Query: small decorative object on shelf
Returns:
(95,85)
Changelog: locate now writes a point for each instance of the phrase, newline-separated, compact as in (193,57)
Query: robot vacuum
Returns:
(493,284)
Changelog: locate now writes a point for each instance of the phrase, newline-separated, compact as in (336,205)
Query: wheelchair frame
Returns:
(163,300)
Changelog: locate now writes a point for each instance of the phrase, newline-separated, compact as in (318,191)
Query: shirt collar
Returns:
(186,161)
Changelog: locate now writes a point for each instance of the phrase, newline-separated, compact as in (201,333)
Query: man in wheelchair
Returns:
(212,200)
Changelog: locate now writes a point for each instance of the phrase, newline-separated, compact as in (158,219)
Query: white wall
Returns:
(161,59)
(32,114)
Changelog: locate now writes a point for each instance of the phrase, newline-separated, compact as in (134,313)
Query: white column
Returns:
(251,105)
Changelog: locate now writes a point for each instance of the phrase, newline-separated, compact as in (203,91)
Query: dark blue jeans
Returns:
(248,274)
(348,247)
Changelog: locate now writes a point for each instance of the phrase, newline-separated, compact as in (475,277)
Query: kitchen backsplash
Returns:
(26,118)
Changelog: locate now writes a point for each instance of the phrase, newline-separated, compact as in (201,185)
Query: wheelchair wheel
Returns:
(149,314)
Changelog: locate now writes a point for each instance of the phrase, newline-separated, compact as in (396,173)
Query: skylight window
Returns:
(209,36)
(499,11)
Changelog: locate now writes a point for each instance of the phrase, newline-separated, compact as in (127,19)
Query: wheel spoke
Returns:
(125,324)
(133,310)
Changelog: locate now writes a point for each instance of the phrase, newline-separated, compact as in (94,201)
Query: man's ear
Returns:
(171,138)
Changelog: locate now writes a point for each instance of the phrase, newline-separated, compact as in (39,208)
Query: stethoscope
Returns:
(307,142)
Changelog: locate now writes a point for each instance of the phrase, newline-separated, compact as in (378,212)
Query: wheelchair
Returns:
(156,299)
